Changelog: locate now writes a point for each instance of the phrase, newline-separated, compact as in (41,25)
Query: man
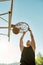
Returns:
(28,52)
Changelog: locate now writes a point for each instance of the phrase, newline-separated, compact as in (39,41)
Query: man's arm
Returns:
(32,40)
(21,42)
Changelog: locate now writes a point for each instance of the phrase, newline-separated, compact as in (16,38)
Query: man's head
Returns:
(28,43)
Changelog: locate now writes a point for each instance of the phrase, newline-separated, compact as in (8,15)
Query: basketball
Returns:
(15,30)
(12,25)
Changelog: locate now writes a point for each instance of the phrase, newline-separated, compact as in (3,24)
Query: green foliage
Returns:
(39,59)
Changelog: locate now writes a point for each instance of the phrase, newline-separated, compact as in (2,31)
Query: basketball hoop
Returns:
(19,27)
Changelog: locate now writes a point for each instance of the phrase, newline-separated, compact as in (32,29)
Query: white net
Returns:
(22,26)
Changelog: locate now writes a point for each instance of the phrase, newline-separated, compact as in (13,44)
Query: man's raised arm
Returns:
(21,41)
(32,40)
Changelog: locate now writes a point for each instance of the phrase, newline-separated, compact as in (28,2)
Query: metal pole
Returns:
(10,18)
(3,27)
(4,0)
(3,14)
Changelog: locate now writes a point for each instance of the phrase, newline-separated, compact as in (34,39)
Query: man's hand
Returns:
(24,33)
(29,29)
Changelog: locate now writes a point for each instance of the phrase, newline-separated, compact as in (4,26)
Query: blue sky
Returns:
(30,11)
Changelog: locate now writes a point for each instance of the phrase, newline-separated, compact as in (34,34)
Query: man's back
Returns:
(28,56)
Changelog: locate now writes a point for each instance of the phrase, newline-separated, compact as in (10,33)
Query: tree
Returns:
(39,59)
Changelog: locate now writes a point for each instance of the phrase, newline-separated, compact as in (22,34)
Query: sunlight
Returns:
(8,53)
